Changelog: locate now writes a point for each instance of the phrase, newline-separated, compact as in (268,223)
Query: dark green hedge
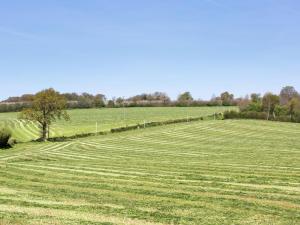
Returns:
(245,115)
(5,138)
(154,124)
(137,126)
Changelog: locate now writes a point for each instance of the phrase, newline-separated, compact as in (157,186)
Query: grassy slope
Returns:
(84,120)
(209,172)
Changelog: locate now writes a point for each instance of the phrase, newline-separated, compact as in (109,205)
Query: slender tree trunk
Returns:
(44,131)
(269,109)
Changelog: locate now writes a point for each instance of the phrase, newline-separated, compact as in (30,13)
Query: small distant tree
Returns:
(120,101)
(48,106)
(227,98)
(293,106)
(111,103)
(244,104)
(269,103)
(255,98)
(253,105)
(99,101)
(287,94)
(86,100)
(185,98)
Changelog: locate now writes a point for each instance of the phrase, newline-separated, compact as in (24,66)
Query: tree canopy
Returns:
(283,107)
(48,106)
(287,94)
(227,98)
(185,97)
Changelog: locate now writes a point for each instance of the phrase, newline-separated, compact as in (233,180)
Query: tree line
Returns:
(73,101)
(86,100)
(282,107)
(48,105)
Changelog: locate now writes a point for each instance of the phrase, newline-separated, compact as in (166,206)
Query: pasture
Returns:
(84,120)
(206,172)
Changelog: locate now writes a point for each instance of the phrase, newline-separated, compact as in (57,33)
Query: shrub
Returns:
(5,136)
(281,110)
(283,119)
(296,117)
(245,115)
(254,115)
(231,115)
(254,106)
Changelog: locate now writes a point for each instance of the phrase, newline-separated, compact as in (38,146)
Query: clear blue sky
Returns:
(121,48)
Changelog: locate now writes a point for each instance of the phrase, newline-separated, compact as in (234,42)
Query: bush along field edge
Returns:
(6,140)
(261,116)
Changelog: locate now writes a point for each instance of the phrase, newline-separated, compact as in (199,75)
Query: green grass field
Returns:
(84,120)
(207,172)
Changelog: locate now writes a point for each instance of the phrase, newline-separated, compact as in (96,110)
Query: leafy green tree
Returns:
(293,106)
(254,107)
(119,101)
(99,101)
(227,98)
(281,110)
(185,98)
(111,103)
(244,104)
(256,98)
(48,106)
(86,100)
(269,103)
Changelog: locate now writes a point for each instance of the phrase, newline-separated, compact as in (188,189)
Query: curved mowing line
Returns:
(185,172)
(26,131)
(36,151)
(146,172)
(17,132)
(72,215)
(160,175)
(230,186)
(189,190)
(213,195)
(157,186)
(29,125)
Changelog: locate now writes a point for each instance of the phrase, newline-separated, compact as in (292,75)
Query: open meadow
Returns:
(84,120)
(158,112)
(206,172)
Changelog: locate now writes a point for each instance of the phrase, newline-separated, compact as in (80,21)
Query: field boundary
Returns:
(138,126)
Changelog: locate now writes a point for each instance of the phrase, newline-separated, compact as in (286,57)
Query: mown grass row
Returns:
(208,172)
(84,121)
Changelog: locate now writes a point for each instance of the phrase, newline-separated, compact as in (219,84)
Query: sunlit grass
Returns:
(90,120)
(207,172)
